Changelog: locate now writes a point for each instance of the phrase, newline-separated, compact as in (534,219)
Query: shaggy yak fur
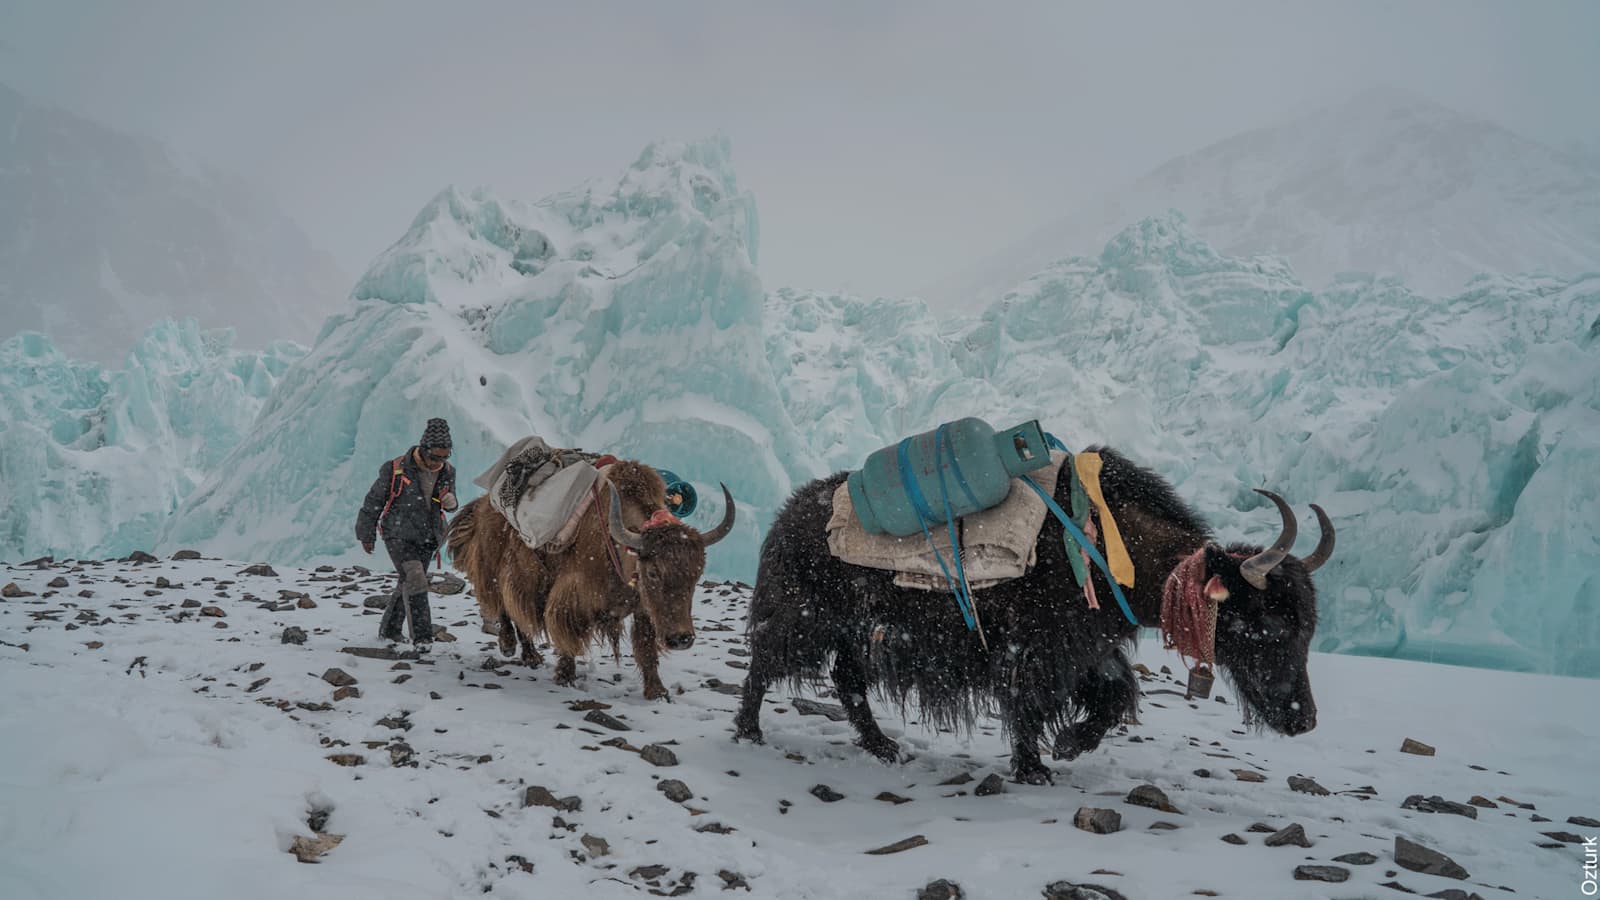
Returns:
(575,596)
(1051,661)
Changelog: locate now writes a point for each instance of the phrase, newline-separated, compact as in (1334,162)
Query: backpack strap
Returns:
(397,483)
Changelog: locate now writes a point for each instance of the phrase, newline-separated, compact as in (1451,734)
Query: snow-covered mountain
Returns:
(102,233)
(1385,182)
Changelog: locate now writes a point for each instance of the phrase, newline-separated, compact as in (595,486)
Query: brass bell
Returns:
(1200,681)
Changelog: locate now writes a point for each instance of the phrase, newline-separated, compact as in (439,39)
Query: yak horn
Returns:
(1256,568)
(1324,546)
(619,531)
(721,531)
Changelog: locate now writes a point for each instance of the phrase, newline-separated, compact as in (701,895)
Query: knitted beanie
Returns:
(435,436)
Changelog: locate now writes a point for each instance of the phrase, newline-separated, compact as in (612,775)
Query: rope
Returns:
(1077,534)
(919,503)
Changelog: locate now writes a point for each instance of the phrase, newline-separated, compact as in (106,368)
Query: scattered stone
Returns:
(992,784)
(94,645)
(1456,894)
(1533,818)
(941,890)
(1363,858)
(1416,747)
(538,795)
(1507,800)
(1261,828)
(731,880)
(1330,874)
(347,759)
(445,583)
(395,723)
(186,555)
(648,873)
(1307,786)
(377,601)
(826,794)
(258,569)
(1583,822)
(1163,826)
(1484,802)
(1293,834)
(1248,775)
(805,707)
(348,692)
(583,705)
(190,603)
(1098,821)
(1066,890)
(596,846)
(214,612)
(715,828)
(910,843)
(12,591)
(1231,838)
(1437,804)
(257,685)
(338,677)
(59,582)
(43,562)
(1418,858)
(888,797)
(308,706)
(139,557)
(401,755)
(657,755)
(1565,837)
(606,720)
(310,849)
(294,634)
(306,603)
(675,790)
(1148,795)
(963,778)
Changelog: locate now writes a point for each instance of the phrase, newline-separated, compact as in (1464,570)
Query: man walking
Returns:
(407,505)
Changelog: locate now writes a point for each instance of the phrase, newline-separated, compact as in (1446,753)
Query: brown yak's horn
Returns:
(619,531)
(1255,568)
(708,538)
(1324,546)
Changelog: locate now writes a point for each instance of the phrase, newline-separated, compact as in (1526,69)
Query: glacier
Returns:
(1455,440)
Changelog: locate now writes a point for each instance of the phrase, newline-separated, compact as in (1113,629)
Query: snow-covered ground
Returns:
(153,749)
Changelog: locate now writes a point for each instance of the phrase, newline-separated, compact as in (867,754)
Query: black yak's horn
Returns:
(708,538)
(1324,546)
(619,531)
(1255,568)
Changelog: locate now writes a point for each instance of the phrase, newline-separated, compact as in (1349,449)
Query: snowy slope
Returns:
(162,742)
(102,234)
(1385,182)
(97,459)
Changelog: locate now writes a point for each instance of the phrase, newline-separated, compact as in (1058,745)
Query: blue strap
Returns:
(955,466)
(963,591)
(1066,522)
(908,481)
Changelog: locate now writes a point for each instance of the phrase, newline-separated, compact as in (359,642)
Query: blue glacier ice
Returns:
(1455,440)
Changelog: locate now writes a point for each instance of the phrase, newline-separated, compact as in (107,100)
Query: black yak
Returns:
(1050,662)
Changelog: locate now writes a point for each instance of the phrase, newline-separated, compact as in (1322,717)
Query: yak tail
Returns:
(458,537)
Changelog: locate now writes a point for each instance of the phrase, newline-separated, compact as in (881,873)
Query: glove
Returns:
(448,501)
(367,546)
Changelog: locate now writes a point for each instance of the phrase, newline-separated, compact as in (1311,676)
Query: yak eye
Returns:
(1273,628)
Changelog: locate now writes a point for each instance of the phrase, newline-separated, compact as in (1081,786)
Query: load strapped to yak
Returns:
(544,491)
(991,490)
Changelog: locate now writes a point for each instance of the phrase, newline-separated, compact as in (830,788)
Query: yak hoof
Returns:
(1070,744)
(1036,774)
(657,692)
(751,733)
(883,747)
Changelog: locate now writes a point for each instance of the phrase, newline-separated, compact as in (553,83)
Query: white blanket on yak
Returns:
(997,544)
(546,513)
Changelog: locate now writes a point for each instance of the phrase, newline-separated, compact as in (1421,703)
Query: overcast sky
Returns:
(886,142)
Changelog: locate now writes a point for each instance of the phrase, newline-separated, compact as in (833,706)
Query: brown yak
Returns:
(633,560)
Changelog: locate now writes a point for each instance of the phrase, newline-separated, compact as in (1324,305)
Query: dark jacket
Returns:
(411,517)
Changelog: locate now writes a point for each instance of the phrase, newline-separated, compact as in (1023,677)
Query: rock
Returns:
(306,603)
(445,584)
(888,797)
(1363,858)
(606,720)
(1565,837)
(377,601)
(400,754)
(910,843)
(538,795)
(596,846)
(1418,858)
(715,828)
(826,794)
(1202,773)
(648,873)
(1066,890)
(12,591)
(1456,894)
(941,890)
(186,555)
(1485,802)
(259,569)
(214,612)
(1330,874)
(1234,839)
(59,582)
(348,692)
(1582,822)
(347,759)
(338,677)
(1293,834)
(675,790)
(731,880)
(443,636)
(1163,826)
(805,707)
(190,603)
(140,557)
(1248,775)
(657,755)
(1416,747)
(990,785)
(1148,795)
(309,849)
(1098,821)
(963,778)
(1437,804)
(1307,786)
(294,634)
(43,562)
(257,685)
(1261,828)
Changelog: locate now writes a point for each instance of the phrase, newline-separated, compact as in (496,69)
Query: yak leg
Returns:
(566,670)
(1108,692)
(507,634)
(530,654)
(1026,726)
(648,658)
(850,681)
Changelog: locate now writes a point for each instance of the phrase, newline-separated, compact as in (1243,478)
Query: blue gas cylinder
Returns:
(681,496)
(964,464)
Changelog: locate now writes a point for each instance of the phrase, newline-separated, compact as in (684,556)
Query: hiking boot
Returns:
(424,647)
(391,626)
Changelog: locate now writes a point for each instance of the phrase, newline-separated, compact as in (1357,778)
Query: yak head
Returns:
(671,558)
(1266,608)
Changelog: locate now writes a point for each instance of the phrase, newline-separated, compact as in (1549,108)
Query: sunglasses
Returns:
(438,455)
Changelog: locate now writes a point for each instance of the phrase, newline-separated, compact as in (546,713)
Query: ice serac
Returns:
(624,318)
(93,461)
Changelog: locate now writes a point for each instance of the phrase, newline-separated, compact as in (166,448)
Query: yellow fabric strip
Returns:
(1088,466)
